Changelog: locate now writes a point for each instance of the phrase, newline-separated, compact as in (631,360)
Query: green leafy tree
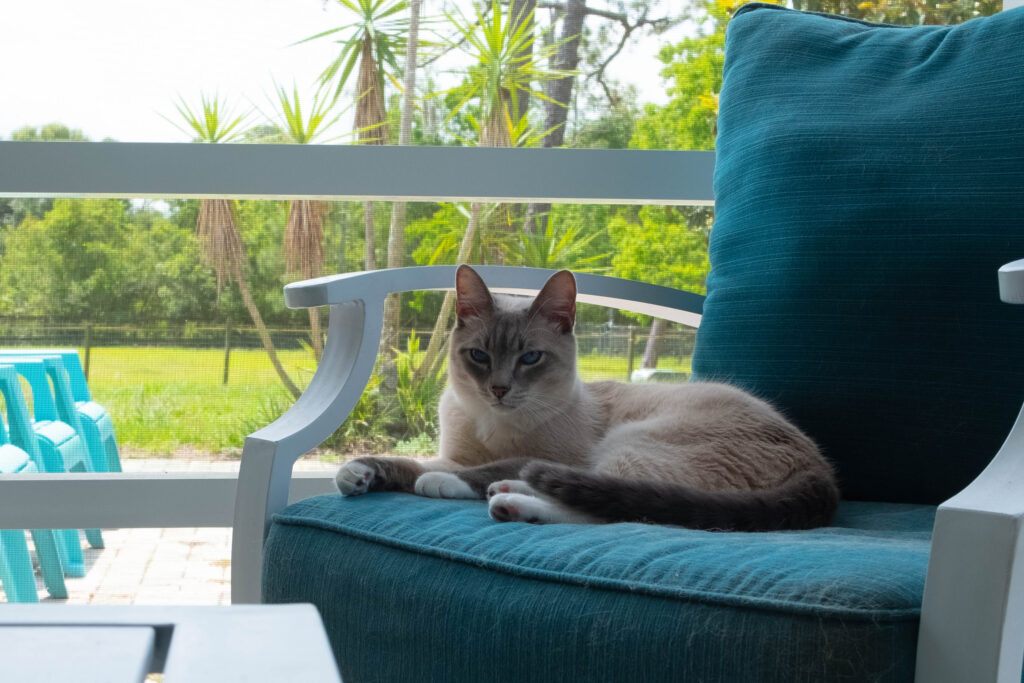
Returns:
(51,132)
(660,245)
(169,281)
(906,12)
(693,71)
(93,259)
(66,263)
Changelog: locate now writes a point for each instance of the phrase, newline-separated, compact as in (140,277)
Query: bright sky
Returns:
(111,67)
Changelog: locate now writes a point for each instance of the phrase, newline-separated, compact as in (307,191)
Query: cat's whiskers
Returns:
(545,410)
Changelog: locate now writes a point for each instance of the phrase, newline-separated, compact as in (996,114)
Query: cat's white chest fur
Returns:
(499,435)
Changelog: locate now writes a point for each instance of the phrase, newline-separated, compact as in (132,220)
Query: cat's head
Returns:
(513,354)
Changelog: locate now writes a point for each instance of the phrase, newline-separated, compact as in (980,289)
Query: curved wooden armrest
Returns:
(353,337)
(972,617)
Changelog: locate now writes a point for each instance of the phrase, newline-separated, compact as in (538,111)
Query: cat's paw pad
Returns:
(443,485)
(354,478)
(517,507)
(509,486)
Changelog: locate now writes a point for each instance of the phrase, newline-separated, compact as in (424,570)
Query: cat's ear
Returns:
(556,301)
(473,299)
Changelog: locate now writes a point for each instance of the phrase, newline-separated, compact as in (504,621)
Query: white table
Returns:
(188,644)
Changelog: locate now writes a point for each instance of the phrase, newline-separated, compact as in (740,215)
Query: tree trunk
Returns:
(316,333)
(370,259)
(524,9)
(393,302)
(432,357)
(651,349)
(559,90)
(268,344)
(304,254)
(370,125)
(396,234)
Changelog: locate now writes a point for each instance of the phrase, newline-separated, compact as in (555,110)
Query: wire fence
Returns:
(196,391)
(614,341)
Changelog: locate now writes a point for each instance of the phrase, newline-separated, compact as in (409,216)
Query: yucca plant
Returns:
(208,123)
(213,121)
(304,231)
(368,47)
(506,61)
(556,247)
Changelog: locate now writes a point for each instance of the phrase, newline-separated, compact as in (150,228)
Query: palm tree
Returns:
(216,227)
(506,62)
(372,41)
(304,231)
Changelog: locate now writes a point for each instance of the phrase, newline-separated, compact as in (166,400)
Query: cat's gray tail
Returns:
(804,501)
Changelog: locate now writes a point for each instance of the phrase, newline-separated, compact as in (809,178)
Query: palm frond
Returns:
(211,122)
(507,61)
(302,128)
(382,22)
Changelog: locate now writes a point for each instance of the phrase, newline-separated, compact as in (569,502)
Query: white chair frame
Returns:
(972,623)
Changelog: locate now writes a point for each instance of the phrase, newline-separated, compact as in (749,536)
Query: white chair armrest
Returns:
(639,297)
(1011,282)
(353,337)
(972,617)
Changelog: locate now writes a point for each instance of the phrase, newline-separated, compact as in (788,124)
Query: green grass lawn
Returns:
(163,400)
(595,368)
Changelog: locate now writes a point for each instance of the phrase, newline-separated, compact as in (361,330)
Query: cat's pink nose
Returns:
(498,391)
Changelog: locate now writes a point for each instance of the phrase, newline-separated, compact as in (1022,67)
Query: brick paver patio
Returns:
(160,566)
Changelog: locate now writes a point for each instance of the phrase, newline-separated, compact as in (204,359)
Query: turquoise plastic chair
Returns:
(62,448)
(97,427)
(16,457)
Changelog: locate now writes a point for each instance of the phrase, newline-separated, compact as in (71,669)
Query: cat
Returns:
(519,428)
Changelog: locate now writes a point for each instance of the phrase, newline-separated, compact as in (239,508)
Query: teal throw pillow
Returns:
(869,182)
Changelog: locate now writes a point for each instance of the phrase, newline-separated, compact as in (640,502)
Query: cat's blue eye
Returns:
(530,357)
(479,356)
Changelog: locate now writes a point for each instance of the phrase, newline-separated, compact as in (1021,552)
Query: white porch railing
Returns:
(151,170)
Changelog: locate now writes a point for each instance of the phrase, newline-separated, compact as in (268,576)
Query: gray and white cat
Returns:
(520,428)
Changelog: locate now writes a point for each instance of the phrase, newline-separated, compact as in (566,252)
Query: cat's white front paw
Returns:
(443,485)
(510,486)
(354,478)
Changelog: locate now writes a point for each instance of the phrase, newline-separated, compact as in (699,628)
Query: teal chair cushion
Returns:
(414,589)
(869,182)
